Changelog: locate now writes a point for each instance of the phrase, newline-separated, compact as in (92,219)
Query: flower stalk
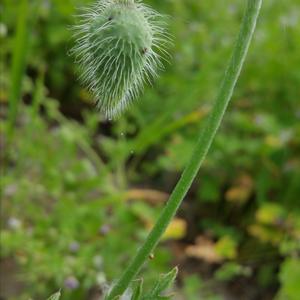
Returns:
(201,149)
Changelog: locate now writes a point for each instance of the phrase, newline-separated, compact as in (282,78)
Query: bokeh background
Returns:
(80,193)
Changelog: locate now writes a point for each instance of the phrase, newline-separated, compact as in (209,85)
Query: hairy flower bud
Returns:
(119,46)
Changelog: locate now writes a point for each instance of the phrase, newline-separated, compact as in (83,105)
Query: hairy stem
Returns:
(205,140)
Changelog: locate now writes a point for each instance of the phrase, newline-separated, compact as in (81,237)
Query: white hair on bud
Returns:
(120,45)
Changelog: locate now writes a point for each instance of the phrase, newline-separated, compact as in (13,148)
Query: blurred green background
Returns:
(79,193)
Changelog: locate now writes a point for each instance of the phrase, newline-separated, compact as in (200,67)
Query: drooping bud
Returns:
(119,46)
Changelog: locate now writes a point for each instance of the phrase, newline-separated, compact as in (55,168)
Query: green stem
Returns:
(206,138)
(18,65)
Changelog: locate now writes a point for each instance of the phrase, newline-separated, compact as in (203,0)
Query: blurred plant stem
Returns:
(38,95)
(89,151)
(206,138)
(20,50)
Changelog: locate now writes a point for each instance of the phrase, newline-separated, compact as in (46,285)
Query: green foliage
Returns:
(289,278)
(61,209)
(55,296)
(18,63)
(195,289)
(163,283)
(64,191)
(137,291)
(231,270)
(158,292)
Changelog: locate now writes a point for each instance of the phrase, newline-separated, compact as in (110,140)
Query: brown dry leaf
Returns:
(204,249)
(150,196)
(241,191)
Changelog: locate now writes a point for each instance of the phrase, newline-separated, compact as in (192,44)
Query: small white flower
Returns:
(14,223)
(3,30)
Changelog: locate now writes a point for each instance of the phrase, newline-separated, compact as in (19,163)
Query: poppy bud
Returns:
(119,46)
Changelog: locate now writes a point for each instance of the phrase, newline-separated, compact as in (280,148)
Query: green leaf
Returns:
(163,283)
(55,296)
(289,278)
(137,290)
(19,57)
(230,270)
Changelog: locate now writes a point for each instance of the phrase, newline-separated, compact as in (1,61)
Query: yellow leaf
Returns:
(176,230)
(226,247)
(273,141)
(266,234)
(270,214)
(237,195)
